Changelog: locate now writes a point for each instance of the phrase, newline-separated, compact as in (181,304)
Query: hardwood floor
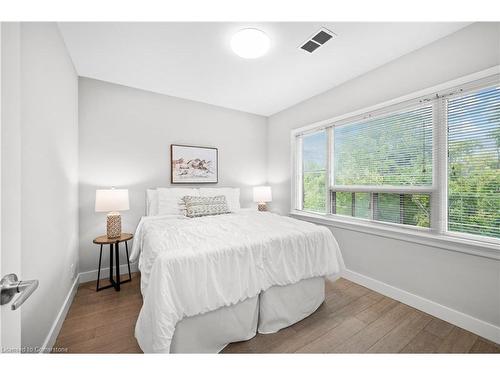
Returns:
(353,319)
(102,322)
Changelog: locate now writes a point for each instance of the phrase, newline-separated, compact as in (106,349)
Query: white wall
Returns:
(462,282)
(47,161)
(10,123)
(125,136)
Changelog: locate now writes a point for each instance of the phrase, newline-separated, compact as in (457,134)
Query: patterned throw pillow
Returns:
(205,206)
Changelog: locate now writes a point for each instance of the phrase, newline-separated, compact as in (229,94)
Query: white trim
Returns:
(296,171)
(439,200)
(330,149)
(92,275)
(477,326)
(412,96)
(50,340)
(422,236)
(383,189)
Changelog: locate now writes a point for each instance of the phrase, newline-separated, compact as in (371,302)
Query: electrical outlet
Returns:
(72,271)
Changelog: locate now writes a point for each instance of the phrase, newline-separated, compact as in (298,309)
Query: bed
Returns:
(213,280)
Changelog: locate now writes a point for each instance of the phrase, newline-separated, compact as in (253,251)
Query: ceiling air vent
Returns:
(317,40)
(310,46)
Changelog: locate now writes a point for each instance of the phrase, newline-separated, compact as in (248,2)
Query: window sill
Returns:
(419,236)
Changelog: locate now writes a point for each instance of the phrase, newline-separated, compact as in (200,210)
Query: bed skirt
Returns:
(275,309)
(282,306)
(212,331)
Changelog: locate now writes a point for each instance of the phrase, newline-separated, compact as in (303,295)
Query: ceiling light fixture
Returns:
(250,43)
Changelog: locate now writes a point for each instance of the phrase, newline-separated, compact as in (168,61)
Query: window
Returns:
(314,155)
(432,162)
(384,156)
(474,163)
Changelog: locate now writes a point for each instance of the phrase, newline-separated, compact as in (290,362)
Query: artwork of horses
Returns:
(193,164)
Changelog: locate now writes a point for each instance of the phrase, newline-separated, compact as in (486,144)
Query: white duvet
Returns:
(192,266)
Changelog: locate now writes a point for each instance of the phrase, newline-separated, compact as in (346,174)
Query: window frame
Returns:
(301,168)
(437,96)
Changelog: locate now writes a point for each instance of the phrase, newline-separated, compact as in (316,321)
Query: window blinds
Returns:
(473,123)
(394,150)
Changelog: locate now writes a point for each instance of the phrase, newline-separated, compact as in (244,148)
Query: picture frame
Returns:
(194,164)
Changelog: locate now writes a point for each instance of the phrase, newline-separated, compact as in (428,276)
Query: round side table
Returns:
(114,243)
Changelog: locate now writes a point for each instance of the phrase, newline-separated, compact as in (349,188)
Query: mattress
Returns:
(193,266)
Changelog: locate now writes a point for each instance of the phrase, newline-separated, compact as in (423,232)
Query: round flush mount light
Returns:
(250,43)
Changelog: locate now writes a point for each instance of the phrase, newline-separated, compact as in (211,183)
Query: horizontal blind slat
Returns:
(392,149)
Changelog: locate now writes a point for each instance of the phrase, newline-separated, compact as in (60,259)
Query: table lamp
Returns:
(261,195)
(111,201)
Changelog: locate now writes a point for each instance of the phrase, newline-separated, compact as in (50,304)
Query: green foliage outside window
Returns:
(315,192)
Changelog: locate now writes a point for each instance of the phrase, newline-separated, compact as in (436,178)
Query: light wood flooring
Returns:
(353,319)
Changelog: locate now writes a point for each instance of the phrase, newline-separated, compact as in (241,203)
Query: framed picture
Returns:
(193,165)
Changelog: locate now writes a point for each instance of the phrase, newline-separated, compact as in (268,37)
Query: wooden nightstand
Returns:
(114,243)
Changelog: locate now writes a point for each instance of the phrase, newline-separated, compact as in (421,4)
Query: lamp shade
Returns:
(108,200)
(262,194)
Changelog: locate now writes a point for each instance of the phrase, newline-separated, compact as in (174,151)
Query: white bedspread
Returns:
(192,266)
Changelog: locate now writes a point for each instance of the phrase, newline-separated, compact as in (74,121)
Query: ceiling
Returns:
(194,60)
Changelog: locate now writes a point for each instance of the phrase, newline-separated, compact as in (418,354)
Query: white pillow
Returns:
(170,200)
(232,196)
(151,202)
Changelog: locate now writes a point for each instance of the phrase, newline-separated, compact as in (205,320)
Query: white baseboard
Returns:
(50,340)
(467,322)
(92,275)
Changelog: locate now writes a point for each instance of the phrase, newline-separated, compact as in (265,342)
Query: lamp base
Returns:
(114,225)
(262,207)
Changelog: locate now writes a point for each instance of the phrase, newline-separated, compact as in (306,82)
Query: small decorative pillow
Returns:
(205,206)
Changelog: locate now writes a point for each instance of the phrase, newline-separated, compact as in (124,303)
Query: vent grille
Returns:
(317,40)
(310,46)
